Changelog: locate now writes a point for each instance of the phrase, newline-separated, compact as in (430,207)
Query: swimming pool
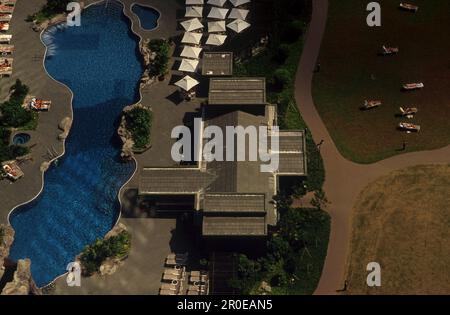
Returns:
(100,63)
(21,138)
(148,17)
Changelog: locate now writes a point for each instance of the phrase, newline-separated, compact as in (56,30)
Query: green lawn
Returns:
(351,72)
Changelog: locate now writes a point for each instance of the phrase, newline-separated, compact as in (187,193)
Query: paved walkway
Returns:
(344,179)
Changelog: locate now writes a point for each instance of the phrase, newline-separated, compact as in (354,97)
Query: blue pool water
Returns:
(100,63)
(147,16)
(21,138)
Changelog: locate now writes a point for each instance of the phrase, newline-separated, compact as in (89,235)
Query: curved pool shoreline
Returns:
(139,90)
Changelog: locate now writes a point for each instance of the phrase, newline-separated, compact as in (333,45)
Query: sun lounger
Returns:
(5,38)
(409,7)
(173,271)
(6,66)
(40,105)
(409,127)
(6,8)
(4,26)
(408,112)
(198,279)
(390,50)
(370,105)
(5,17)
(12,171)
(8,2)
(6,49)
(167,292)
(413,86)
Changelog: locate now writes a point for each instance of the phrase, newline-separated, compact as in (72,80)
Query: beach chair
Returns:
(387,51)
(40,105)
(409,7)
(408,112)
(409,127)
(5,38)
(198,279)
(6,49)
(12,171)
(167,292)
(6,8)
(413,86)
(371,105)
(5,17)
(4,26)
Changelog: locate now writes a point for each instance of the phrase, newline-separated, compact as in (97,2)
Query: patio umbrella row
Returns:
(217,13)
(194,24)
(220,3)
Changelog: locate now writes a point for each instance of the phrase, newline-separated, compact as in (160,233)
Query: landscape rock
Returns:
(265,287)
(22,283)
(44,166)
(119,228)
(6,240)
(65,125)
(110,266)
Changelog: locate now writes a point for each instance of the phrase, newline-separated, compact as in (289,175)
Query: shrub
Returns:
(160,65)
(293,31)
(139,123)
(282,77)
(281,53)
(94,255)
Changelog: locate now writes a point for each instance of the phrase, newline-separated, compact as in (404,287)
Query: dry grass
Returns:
(402,222)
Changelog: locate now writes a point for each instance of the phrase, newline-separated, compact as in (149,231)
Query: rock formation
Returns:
(6,240)
(22,283)
(65,125)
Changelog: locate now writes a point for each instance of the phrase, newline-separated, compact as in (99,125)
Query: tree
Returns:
(282,77)
(320,200)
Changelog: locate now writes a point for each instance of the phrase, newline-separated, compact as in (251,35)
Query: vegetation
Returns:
(139,123)
(402,221)
(2,234)
(94,255)
(295,257)
(49,10)
(279,65)
(13,115)
(160,65)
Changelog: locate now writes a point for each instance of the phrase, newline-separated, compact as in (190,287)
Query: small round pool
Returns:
(148,16)
(21,138)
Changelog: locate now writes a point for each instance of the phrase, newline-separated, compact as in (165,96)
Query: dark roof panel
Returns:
(234,226)
(234,203)
(237,91)
(217,64)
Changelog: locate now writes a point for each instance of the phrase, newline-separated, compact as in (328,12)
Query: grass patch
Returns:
(351,72)
(401,221)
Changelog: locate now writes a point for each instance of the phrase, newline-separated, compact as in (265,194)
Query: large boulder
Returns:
(6,240)
(65,125)
(22,283)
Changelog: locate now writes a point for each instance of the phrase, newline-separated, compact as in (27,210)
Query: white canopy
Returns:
(194,12)
(218,3)
(238,25)
(191,2)
(191,52)
(192,24)
(187,83)
(216,26)
(191,38)
(188,65)
(237,3)
(216,39)
(218,13)
(240,14)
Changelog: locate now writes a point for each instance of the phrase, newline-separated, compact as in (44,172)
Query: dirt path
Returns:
(344,179)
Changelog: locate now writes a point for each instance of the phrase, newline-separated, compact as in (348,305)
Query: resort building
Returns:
(232,198)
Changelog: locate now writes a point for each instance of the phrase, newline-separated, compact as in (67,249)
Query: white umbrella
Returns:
(194,12)
(191,38)
(188,65)
(237,3)
(216,26)
(216,39)
(191,52)
(218,13)
(218,3)
(187,83)
(238,25)
(240,14)
(191,2)
(192,24)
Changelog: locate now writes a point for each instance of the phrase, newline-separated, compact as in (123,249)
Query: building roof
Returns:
(237,91)
(234,226)
(234,203)
(217,64)
(292,153)
(173,181)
